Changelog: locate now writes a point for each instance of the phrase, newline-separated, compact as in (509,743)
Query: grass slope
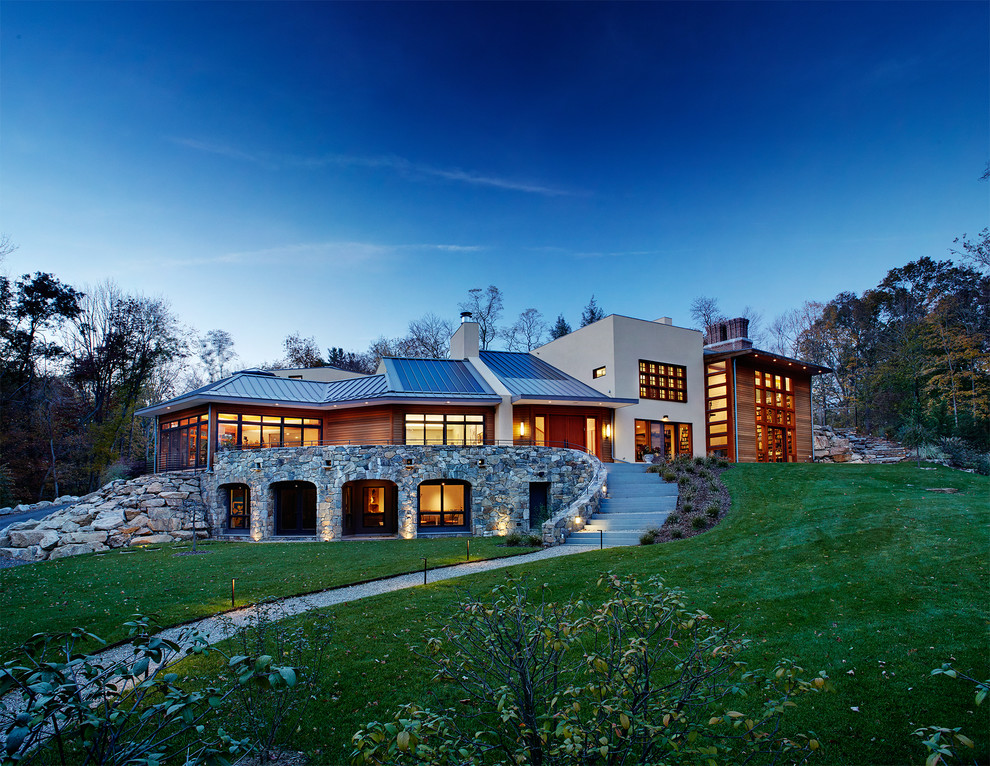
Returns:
(100,591)
(855,570)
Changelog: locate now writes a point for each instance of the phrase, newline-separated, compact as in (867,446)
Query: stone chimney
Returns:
(466,341)
(728,335)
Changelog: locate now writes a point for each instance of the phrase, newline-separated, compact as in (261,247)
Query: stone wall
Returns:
(574,516)
(844,445)
(150,509)
(39,506)
(499,479)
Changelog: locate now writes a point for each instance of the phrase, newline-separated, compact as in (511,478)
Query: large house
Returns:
(409,450)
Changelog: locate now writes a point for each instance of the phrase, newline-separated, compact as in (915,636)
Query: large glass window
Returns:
(662,381)
(445,429)
(444,504)
(717,408)
(775,418)
(253,431)
(182,443)
(668,439)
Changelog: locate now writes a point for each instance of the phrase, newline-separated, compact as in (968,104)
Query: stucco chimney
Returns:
(466,340)
(664,320)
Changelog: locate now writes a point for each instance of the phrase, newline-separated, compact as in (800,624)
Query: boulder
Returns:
(155,502)
(75,549)
(151,540)
(19,554)
(69,526)
(118,540)
(27,538)
(174,495)
(87,538)
(22,526)
(109,521)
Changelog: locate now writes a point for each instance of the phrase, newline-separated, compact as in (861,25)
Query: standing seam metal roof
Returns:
(434,376)
(526,375)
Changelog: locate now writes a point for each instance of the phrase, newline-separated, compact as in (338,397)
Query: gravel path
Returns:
(220,627)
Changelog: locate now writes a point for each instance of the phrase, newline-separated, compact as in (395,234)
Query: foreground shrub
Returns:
(513,539)
(649,536)
(638,679)
(78,708)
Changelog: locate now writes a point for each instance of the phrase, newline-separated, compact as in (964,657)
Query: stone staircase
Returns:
(844,445)
(636,501)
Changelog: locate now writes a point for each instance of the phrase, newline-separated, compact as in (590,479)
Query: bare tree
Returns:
(429,336)
(302,352)
(705,312)
(527,333)
(215,349)
(756,333)
(486,308)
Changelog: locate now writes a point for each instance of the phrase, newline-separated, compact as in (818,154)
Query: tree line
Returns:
(909,358)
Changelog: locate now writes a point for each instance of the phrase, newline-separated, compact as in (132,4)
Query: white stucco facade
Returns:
(618,343)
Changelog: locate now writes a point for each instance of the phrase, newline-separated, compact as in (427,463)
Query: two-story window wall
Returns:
(775,442)
(717,409)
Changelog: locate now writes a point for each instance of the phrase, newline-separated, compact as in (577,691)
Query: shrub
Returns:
(712,511)
(513,539)
(960,455)
(698,522)
(656,468)
(649,536)
(77,708)
(699,461)
(636,679)
(669,476)
(687,507)
(534,540)
(676,533)
(673,518)
(684,480)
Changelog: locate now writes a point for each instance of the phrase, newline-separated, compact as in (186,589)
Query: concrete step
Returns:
(627,524)
(612,504)
(657,490)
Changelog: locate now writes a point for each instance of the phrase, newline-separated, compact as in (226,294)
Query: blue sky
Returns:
(339,169)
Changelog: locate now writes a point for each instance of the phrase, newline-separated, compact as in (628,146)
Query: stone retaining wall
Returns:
(41,505)
(574,516)
(499,477)
(150,509)
(845,445)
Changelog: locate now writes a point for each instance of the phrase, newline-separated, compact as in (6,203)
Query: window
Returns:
(445,429)
(254,431)
(657,437)
(717,408)
(444,504)
(182,443)
(662,381)
(238,498)
(775,418)
(598,372)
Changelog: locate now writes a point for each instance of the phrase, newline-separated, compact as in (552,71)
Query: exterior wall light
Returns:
(327,464)
(257,465)
(522,428)
(481,463)
(608,430)
(666,418)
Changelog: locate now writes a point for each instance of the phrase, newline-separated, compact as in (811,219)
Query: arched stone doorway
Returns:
(370,507)
(294,503)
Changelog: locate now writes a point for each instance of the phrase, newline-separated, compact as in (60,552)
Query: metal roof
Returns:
(434,376)
(355,388)
(528,376)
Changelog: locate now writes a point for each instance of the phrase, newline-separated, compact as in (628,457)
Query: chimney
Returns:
(465,341)
(664,320)
(728,335)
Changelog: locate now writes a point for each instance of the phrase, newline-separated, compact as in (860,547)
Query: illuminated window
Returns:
(662,381)
(598,372)
(254,431)
(444,504)
(445,429)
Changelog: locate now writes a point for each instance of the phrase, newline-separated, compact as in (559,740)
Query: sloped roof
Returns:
(529,377)
(445,377)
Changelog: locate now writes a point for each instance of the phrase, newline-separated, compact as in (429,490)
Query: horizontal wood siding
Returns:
(361,425)
(525,413)
(745,409)
(802,417)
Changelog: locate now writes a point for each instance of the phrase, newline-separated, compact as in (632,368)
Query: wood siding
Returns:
(745,412)
(525,413)
(802,418)
(400,411)
(359,425)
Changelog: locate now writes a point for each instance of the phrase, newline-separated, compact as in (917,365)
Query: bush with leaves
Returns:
(68,706)
(942,742)
(637,679)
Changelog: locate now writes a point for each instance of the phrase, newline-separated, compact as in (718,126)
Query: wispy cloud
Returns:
(563,251)
(349,254)
(394,163)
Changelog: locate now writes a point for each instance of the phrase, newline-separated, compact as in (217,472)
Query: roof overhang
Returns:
(610,403)
(766,357)
(176,405)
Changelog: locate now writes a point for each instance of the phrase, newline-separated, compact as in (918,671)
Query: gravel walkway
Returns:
(220,627)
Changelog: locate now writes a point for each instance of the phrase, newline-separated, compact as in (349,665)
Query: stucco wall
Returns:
(499,478)
(619,342)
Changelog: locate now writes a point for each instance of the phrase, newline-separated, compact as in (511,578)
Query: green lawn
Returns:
(855,570)
(100,591)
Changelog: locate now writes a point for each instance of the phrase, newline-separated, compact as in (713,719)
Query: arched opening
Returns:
(235,499)
(444,506)
(295,507)
(370,507)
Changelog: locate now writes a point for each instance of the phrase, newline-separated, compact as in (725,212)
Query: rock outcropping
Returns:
(151,509)
(844,445)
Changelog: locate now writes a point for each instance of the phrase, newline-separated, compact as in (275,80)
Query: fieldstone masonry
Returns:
(499,479)
(147,510)
(161,508)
